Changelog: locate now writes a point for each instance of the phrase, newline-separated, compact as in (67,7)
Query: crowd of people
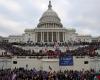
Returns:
(33,74)
(88,50)
(41,44)
(13,50)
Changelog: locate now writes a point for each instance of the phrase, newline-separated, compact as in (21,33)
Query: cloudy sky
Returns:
(17,15)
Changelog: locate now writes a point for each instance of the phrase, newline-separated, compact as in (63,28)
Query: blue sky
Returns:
(17,15)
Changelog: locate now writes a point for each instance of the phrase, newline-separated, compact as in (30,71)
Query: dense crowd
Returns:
(12,49)
(33,74)
(69,43)
(25,74)
(88,50)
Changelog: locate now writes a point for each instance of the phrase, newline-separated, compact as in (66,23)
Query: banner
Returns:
(66,60)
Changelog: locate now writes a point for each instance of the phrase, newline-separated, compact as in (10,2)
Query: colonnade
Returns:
(50,36)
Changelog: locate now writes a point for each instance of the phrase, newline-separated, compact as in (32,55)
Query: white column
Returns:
(45,25)
(63,36)
(52,36)
(47,37)
(41,36)
(58,36)
(35,36)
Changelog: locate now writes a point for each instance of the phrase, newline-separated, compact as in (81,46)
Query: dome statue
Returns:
(50,19)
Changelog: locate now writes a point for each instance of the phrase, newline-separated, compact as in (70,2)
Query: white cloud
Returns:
(62,7)
(89,21)
(11,25)
(39,4)
(11,5)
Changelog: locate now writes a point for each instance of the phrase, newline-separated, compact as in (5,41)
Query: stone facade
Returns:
(17,39)
(49,29)
(43,64)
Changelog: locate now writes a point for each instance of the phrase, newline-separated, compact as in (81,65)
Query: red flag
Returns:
(98,77)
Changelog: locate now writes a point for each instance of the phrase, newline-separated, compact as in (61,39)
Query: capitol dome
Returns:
(50,19)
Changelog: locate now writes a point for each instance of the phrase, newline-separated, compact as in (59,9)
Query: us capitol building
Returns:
(48,30)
